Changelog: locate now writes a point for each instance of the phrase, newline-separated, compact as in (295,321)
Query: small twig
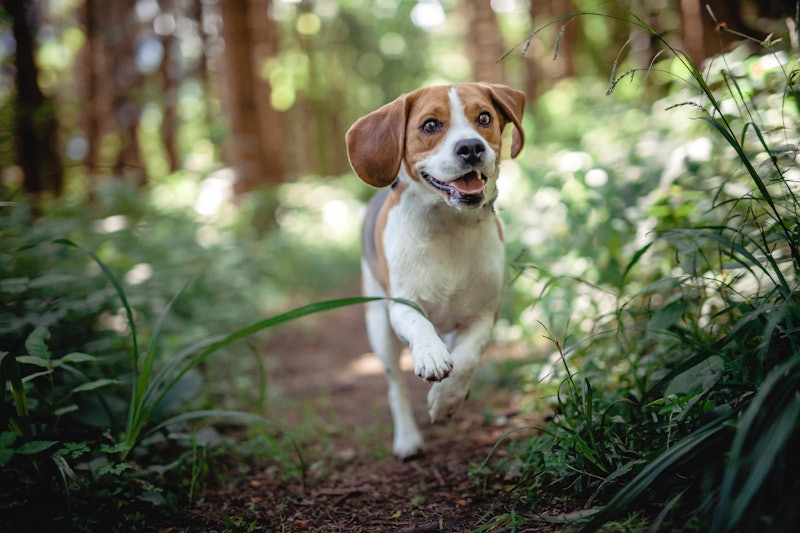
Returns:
(438,476)
(338,491)
(423,528)
(566,518)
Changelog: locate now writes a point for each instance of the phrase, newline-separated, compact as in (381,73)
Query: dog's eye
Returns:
(484,119)
(431,126)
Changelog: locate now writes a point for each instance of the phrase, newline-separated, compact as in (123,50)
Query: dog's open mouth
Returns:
(468,189)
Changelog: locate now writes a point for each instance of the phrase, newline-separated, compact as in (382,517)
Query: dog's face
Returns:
(446,140)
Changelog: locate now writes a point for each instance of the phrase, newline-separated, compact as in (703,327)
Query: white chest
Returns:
(451,266)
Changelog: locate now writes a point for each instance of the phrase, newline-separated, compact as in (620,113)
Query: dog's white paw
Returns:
(446,398)
(432,363)
(407,445)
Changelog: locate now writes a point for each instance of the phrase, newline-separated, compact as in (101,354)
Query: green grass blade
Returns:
(117,287)
(634,261)
(683,450)
(193,355)
(762,188)
(772,417)
(294,314)
(9,372)
(142,377)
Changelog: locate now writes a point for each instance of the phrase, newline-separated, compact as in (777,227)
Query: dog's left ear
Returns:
(376,142)
(512,103)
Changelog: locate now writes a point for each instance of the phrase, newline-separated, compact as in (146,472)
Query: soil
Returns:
(329,393)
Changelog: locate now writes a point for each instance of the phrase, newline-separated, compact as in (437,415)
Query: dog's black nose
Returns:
(470,149)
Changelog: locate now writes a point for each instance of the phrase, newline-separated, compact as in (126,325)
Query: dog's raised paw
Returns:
(432,364)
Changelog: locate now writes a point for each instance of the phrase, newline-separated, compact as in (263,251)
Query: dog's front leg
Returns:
(447,397)
(432,360)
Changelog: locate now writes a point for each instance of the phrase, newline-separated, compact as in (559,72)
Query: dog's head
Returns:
(444,139)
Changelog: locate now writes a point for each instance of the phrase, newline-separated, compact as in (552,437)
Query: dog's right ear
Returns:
(376,142)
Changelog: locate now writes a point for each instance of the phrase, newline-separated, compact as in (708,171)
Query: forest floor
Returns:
(329,393)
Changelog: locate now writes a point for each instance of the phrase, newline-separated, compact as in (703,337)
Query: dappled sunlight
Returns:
(368,364)
(318,214)
(215,191)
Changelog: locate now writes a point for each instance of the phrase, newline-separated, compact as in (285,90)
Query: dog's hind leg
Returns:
(407,441)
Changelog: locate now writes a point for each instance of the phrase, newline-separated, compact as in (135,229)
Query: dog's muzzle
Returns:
(468,189)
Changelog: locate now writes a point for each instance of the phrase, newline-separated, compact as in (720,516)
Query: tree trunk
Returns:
(197,12)
(556,59)
(701,37)
(113,87)
(484,43)
(169,101)
(35,123)
(127,87)
(254,150)
(264,45)
(96,91)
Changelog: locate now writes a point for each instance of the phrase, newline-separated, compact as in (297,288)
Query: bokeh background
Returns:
(189,156)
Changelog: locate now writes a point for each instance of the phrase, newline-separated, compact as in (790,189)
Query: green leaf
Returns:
(14,285)
(114,448)
(93,385)
(36,446)
(5,456)
(36,375)
(153,497)
(34,360)
(71,408)
(7,438)
(78,357)
(50,280)
(666,317)
(35,343)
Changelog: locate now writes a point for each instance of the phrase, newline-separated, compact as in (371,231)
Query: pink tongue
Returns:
(468,184)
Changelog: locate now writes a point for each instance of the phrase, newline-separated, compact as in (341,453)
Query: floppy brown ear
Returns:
(512,103)
(375,143)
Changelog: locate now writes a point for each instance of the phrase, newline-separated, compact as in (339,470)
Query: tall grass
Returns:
(65,413)
(705,439)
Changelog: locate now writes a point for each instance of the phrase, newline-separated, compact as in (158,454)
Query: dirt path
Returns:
(330,394)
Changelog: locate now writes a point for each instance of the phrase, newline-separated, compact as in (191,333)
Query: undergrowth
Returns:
(105,412)
(696,426)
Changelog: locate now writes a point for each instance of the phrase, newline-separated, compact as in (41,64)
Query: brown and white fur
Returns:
(433,237)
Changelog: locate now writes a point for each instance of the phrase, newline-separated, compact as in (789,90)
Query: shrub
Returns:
(686,401)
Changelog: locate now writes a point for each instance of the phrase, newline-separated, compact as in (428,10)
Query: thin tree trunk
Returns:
(169,97)
(197,13)
(127,84)
(167,77)
(701,37)
(483,42)
(35,123)
(96,93)
(264,45)
(244,148)
(555,59)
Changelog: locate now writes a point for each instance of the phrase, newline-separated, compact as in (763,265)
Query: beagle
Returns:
(433,237)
